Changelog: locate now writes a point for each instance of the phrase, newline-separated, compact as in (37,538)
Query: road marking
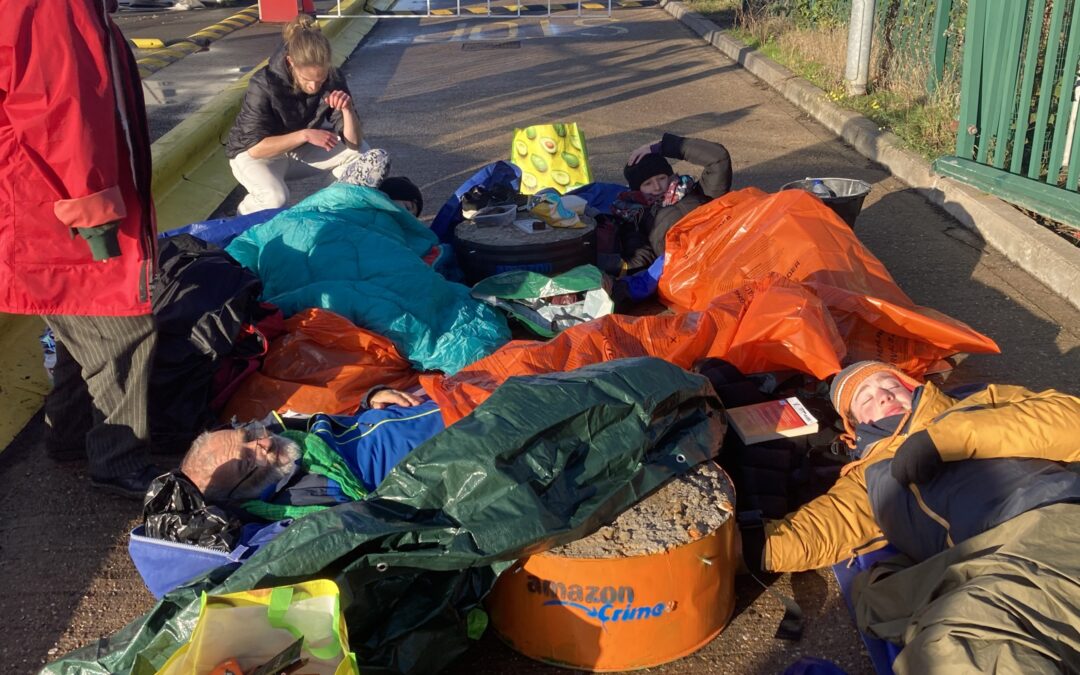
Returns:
(477,32)
(534,9)
(512,29)
(605,30)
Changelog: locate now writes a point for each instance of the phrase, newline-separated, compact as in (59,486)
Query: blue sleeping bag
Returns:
(221,231)
(373,442)
(351,250)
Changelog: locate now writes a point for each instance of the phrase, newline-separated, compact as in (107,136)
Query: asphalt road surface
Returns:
(443,96)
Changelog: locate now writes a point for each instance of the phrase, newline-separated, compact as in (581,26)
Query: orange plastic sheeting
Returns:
(769,324)
(324,364)
(748,234)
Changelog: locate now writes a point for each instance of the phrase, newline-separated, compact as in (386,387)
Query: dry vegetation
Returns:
(897,99)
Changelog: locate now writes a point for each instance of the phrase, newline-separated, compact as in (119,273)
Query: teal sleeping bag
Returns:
(351,250)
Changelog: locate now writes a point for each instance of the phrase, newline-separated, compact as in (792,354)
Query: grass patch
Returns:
(926,127)
(722,12)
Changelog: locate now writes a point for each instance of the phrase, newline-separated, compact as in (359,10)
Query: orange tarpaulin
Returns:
(768,324)
(324,364)
(747,234)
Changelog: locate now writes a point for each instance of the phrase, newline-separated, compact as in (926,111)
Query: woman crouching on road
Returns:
(297,119)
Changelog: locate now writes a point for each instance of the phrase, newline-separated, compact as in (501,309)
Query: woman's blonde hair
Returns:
(305,44)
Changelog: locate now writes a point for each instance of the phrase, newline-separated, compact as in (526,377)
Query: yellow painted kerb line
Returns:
(190,173)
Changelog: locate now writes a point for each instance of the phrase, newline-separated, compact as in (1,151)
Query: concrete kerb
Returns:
(1027,244)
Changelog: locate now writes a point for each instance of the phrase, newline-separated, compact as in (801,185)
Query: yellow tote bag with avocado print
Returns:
(253,626)
(550,156)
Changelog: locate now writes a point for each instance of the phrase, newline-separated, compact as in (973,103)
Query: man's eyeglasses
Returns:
(249,474)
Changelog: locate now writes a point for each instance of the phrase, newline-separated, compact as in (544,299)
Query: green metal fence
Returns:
(1017,135)
(921,37)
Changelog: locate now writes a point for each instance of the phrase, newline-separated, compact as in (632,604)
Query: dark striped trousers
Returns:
(100,386)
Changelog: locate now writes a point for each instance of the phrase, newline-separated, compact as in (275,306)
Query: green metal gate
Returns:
(1018,136)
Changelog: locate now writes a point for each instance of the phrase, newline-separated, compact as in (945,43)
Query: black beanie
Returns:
(402,189)
(652,164)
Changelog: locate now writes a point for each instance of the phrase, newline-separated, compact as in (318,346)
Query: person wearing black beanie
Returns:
(649,174)
(651,168)
(404,192)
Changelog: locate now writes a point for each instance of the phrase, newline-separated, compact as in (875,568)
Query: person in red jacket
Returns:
(77,226)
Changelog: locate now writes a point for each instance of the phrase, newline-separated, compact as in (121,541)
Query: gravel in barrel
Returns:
(684,509)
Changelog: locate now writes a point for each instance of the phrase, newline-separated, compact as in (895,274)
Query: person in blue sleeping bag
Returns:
(286,467)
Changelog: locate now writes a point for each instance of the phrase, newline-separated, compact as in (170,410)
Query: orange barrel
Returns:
(615,614)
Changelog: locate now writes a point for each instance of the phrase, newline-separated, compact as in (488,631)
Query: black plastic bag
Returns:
(175,510)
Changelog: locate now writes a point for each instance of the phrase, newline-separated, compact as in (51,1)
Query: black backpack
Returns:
(202,298)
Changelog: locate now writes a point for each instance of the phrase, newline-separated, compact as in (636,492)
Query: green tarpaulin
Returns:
(534,299)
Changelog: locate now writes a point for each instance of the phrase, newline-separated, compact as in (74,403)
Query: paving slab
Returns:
(444,105)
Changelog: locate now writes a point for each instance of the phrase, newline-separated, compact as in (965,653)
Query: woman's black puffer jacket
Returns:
(273,106)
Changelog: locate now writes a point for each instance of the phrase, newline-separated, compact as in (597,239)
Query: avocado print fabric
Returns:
(551,156)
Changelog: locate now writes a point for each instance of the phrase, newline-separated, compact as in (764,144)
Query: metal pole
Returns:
(860,35)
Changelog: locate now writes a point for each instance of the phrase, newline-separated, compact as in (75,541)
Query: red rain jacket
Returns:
(74,153)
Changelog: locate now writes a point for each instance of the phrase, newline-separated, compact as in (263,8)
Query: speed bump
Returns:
(169,54)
